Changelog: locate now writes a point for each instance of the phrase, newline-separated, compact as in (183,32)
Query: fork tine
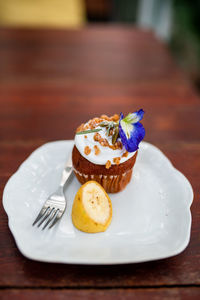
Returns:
(40,215)
(57,217)
(47,213)
(50,218)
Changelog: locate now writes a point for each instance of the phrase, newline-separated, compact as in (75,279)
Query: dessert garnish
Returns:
(92,208)
(97,150)
(87,150)
(131,130)
(128,129)
(89,131)
(108,164)
(116,160)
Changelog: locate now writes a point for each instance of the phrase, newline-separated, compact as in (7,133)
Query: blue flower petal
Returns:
(137,116)
(131,132)
(121,116)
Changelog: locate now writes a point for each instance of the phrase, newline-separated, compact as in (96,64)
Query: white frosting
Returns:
(105,154)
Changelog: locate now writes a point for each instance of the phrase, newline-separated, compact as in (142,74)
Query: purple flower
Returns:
(131,130)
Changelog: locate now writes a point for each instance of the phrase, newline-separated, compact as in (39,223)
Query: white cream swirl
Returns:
(105,154)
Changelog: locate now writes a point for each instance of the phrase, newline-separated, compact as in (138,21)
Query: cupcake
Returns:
(106,148)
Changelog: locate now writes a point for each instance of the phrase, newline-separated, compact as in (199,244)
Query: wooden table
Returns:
(50,82)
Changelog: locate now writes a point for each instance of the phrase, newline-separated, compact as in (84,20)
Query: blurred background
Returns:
(175,22)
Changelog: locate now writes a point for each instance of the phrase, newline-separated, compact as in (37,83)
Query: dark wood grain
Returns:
(118,294)
(50,81)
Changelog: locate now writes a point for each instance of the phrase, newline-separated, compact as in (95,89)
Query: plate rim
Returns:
(101,262)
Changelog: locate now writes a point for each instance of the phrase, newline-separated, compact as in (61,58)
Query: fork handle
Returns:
(66,172)
(65,175)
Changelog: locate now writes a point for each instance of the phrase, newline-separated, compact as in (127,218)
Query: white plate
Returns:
(151,217)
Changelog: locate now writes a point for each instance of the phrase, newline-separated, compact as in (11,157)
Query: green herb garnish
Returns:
(114,126)
(115,135)
(89,131)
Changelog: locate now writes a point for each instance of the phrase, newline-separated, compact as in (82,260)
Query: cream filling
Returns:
(100,176)
(105,154)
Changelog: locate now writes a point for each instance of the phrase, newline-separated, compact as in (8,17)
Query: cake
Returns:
(106,149)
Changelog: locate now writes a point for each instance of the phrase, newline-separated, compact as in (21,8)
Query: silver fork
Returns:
(55,205)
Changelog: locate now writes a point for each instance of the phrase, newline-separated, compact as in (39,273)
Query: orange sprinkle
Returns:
(87,150)
(115,118)
(125,154)
(97,136)
(97,150)
(116,160)
(94,122)
(117,145)
(104,142)
(108,164)
(85,136)
(105,117)
(80,128)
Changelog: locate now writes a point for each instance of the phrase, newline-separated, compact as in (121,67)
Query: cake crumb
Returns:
(97,136)
(117,145)
(97,150)
(115,118)
(81,128)
(105,117)
(110,132)
(104,142)
(86,127)
(93,123)
(116,160)
(125,154)
(87,150)
(108,164)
